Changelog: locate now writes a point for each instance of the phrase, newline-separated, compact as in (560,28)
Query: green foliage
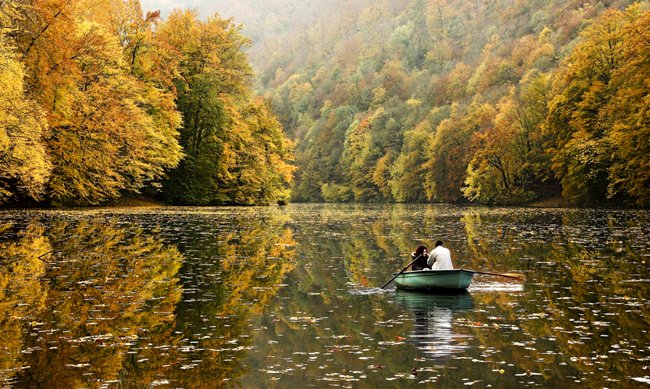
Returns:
(508,161)
(508,137)
(336,193)
(236,150)
(325,150)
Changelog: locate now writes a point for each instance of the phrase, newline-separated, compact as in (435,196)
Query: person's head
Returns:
(420,250)
(439,243)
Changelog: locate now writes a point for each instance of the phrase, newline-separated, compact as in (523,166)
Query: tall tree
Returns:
(449,150)
(591,121)
(106,132)
(24,164)
(228,139)
(262,169)
(508,160)
(629,113)
(359,159)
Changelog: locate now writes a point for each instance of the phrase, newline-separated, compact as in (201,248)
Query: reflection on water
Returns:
(433,332)
(280,297)
(98,302)
(77,299)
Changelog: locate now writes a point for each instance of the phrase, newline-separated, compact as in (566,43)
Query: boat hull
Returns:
(435,280)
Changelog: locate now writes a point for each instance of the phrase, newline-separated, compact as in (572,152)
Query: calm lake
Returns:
(289,297)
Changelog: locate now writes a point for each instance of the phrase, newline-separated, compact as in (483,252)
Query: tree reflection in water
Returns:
(101,288)
(89,303)
(282,297)
(433,317)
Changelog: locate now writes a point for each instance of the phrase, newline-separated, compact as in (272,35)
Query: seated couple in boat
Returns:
(438,259)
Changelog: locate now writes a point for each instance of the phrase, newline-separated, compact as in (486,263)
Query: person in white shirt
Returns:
(440,258)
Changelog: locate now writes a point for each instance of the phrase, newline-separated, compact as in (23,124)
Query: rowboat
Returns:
(435,280)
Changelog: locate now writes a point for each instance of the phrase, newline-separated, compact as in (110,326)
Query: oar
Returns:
(401,271)
(518,276)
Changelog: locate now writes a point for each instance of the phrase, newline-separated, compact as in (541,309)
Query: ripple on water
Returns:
(363,291)
(247,296)
(496,287)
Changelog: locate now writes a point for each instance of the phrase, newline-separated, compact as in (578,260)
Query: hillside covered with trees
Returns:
(455,100)
(100,100)
(384,100)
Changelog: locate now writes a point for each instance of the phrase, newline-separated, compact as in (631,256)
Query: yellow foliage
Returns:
(109,131)
(24,165)
(598,117)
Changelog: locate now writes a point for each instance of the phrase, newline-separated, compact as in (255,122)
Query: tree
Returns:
(450,152)
(109,132)
(24,164)
(508,160)
(263,168)
(592,121)
(490,173)
(212,75)
(230,140)
(408,173)
(628,113)
(359,159)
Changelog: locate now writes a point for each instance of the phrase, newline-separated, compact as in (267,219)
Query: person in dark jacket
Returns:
(422,255)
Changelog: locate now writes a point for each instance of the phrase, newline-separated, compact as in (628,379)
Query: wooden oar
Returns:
(518,276)
(401,271)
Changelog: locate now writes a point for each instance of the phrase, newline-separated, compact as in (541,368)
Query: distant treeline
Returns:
(99,100)
(453,100)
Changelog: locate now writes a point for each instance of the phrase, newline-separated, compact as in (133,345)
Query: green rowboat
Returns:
(435,280)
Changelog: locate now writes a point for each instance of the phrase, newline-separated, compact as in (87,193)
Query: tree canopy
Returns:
(381,100)
(103,101)
(449,100)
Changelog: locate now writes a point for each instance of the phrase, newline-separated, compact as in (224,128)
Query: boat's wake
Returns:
(495,287)
(363,290)
(359,290)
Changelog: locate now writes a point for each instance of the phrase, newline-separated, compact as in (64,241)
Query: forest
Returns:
(359,100)
(497,102)
(101,100)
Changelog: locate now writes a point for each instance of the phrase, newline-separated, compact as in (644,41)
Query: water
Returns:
(281,297)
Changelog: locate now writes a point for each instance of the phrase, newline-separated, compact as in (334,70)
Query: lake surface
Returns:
(289,297)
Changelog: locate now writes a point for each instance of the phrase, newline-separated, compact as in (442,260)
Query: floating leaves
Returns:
(212,314)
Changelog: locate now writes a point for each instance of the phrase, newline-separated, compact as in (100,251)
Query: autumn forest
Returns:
(482,101)
(100,101)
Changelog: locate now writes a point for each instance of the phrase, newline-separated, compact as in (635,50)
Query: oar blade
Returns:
(518,276)
(514,275)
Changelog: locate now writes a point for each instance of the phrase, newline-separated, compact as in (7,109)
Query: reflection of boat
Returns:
(432,332)
(427,301)
(446,280)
